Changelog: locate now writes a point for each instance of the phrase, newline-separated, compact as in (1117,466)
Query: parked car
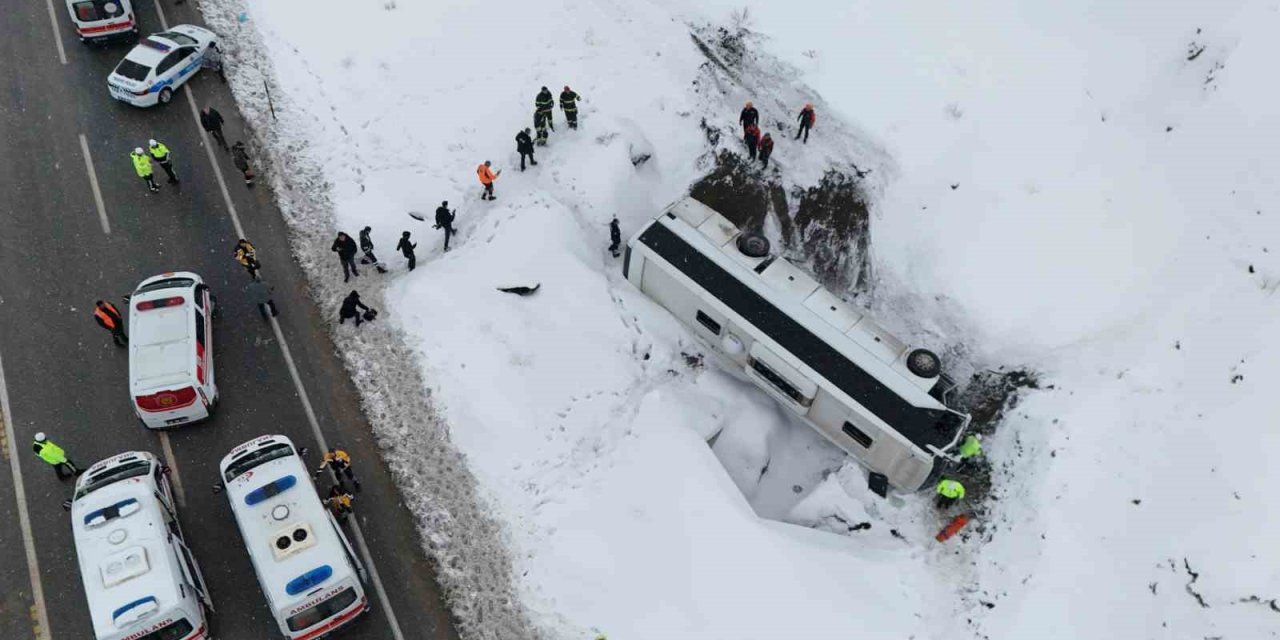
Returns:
(159,65)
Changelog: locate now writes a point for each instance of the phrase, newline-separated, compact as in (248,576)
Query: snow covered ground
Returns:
(1086,190)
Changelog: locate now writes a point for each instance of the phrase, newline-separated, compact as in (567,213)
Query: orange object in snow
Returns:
(957,523)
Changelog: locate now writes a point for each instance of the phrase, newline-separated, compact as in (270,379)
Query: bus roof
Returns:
(272,500)
(847,350)
(121,542)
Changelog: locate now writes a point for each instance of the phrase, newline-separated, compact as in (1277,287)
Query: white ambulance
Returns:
(141,581)
(171,374)
(307,568)
(97,20)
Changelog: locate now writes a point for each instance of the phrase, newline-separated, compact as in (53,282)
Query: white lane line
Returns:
(355,525)
(24,519)
(93,182)
(57,35)
(217,171)
(172,461)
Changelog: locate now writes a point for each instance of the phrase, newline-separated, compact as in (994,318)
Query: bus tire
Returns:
(924,363)
(753,245)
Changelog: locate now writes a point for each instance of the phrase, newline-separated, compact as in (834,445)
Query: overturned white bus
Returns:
(863,389)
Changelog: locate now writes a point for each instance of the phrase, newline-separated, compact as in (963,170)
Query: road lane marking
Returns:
(172,462)
(320,441)
(57,34)
(93,182)
(24,518)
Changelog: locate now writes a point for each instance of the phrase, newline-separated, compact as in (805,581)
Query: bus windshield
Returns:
(260,456)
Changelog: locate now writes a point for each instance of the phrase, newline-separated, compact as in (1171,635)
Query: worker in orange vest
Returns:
(108,318)
(487,176)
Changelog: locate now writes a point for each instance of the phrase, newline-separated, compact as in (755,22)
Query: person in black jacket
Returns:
(211,121)
(346,250)
(444,220)
(543,104)
(524,145)
(351,306)
(749,117)
(366,246)
(615,236)
(407,248)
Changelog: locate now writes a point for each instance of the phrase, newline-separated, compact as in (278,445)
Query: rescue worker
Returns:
(108,318)
(211,121)
(766,150)
(543,104)
(142,165)
(345,247)
(524,146)
(55,456)
(405,247)
(540,123)
(749,116)
(161,155)
(247,256)
(487,176)
(444,220)
(569,105)
(351,306)
(949,492)
(339,502)
(752,140)
(366,247)
(340,462)
(970,448)
(240,158)
(807,118)
(615,236)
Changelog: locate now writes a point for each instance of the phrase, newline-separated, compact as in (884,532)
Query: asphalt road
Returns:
(64,377)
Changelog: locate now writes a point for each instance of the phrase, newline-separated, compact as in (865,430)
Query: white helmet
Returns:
(152,142)
(138,150)
(40,436)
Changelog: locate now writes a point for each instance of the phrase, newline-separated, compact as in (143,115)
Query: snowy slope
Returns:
(554,445)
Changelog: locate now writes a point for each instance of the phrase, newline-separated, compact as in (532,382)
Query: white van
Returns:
(878,398)
(171,375)
(307,568)
(141,581)
(97,20)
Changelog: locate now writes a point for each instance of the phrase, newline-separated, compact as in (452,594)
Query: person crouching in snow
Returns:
(487,176)
(351,307)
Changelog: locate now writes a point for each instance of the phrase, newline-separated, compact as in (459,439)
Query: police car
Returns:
(159,64)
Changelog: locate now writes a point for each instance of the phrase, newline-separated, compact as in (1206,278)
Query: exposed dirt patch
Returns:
(835,230)
(740,192)
(988,397)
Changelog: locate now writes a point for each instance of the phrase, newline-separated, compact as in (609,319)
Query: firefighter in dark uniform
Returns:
(569,104)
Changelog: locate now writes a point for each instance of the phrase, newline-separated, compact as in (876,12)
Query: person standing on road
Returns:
(211,121)
(444,220)
(247,256)
(766,150)
(615,236)
(569,105)
(351,307)
(949,493)
(544,103)
(340,462)
(748,117)
(405,247)
(142,165)
(487,176)
(108,317)
(240,158)
(55,457)
(161,155)
(807,118)
(339,502)
(752,140)
(524,146)
(213,60)
(345,247)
